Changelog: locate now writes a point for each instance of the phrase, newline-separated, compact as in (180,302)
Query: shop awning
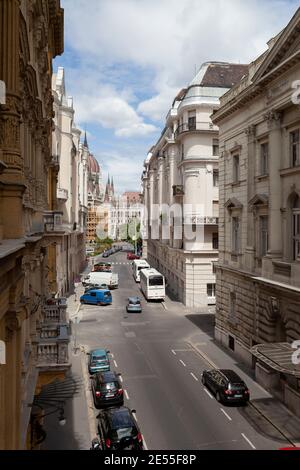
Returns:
(278,356)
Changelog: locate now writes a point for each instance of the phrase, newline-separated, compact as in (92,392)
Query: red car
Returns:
(132,256)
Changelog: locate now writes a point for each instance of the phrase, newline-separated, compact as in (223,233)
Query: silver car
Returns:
(134,305)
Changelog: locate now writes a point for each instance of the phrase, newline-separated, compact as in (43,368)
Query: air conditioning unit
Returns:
(178,190)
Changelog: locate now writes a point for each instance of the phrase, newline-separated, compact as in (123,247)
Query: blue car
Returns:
(97,297)
(98,361)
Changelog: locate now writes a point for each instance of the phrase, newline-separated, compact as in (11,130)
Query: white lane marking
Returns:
(182,363)
(249,442)
(112,355)
(227,416)
(144,443)
(206,391)
(194,377)
(126,394)
(121,378)
(173,352)
(116,365)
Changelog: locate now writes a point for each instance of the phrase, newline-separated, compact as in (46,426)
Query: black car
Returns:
(118,429)
(226,385)
(107,389)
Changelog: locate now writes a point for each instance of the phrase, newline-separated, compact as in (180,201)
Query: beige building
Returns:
(33,336)
(258,276)
(71,189)
(180,188)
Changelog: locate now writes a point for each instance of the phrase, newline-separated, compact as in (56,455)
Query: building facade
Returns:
(96,214)
(125,216)
(72,187)
(31,35)
(180,188)
(258,274)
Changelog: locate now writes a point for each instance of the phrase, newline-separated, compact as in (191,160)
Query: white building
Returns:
(182,170)
(125,215)
(72,187)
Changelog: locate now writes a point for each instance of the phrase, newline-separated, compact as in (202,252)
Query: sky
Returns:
(126,60)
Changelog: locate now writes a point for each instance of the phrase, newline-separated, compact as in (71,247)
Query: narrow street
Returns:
(161,374)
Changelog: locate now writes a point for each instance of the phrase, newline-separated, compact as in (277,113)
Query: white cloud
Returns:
(170,38)
(125,169)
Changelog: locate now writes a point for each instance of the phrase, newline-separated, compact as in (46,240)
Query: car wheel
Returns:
(218,397)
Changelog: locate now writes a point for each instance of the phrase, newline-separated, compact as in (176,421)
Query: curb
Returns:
(209,361)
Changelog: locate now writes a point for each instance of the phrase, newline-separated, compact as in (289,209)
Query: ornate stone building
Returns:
(96,214)
(31,35)
(72,187)
(258,275)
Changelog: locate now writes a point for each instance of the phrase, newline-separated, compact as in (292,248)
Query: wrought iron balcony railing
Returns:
(195,126)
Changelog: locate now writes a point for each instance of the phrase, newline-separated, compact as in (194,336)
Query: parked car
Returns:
(95,286)
(134,305)
(98,361)
(132,256)
(107,389)
(118,429)
(105,254)
(97,297)
(226,385)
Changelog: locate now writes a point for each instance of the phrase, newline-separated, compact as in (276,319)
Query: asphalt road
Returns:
(161,374)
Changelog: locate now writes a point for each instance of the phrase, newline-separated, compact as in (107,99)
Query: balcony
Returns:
(54,162)
(52,347)
(201,220)
(53,221)
(62,194)
(178,190)
(54,312)
(195,127)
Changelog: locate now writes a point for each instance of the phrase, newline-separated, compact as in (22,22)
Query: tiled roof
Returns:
(223,75)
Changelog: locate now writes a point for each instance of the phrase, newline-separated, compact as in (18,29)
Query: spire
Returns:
(85,141)
(112,185)
(108,181)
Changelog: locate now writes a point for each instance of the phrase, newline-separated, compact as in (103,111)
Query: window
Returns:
(215,147)
(232,310)
(236,168)
(264,159)
(192,120)
(182,151)
(235,234)
(263,233)
(294,140)
(211,290)
(216,178)
(296,229)
(214,269)
(215,241)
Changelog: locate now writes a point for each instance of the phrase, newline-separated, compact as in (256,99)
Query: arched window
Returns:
(296,227)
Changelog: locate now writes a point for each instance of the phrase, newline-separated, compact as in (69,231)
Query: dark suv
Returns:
(107,389)
(226,385)
(118,429)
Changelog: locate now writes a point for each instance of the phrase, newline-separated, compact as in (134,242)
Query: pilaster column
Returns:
(275,148)
(10,116)
(251,160)
(10,113)
(160,179)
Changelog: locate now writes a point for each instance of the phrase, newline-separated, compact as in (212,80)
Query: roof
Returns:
(93,164)
(231,375)
(219,74)
(278,356)
(108,375)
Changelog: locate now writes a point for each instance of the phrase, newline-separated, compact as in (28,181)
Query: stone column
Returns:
(251,163)
(275,149)
(10,116)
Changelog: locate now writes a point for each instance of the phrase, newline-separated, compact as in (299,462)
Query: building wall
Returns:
(27,189)
(258,292)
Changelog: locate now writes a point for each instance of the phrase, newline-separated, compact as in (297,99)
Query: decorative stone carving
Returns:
(12,324)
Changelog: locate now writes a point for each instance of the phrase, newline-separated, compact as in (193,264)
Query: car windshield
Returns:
(107,294)
(134,302)
(109,386)
(237,386)
(124,432)
(98,359)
